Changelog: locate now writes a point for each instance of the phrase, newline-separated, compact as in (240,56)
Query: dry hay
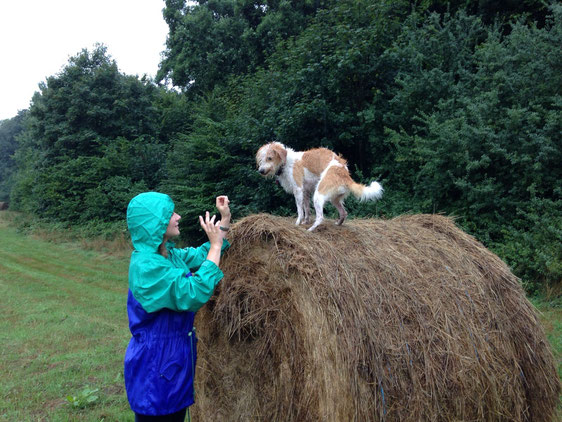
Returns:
(408,319)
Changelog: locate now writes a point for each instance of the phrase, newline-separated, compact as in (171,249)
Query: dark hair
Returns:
(162,249)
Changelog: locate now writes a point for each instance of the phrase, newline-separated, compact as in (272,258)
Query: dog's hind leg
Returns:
(306,206)
(338,203)
(300,209)
(319,201)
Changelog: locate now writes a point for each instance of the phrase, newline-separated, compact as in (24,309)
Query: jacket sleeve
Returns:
(156,284)
(194,257)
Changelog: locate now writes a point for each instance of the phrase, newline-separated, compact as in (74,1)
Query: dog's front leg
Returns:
(299,201)
(319,201)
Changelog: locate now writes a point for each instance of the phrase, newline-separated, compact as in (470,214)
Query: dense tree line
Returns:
(9,130)
(454,106)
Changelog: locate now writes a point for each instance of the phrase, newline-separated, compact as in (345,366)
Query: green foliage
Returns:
(484,142)
(9,130)
(212,40)
(85,398)
(216,158)
(492,10)
(531,244)
(90,143)
(87,105)
(176,112)
(319,85)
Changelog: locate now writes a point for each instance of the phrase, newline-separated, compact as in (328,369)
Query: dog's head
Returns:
(270,158)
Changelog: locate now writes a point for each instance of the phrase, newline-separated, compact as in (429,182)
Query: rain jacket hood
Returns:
(148,215)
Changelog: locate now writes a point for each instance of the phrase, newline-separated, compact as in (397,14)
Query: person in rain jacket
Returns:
(167,285)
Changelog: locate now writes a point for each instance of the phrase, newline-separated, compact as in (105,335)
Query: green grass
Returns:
(550,315)
(63,330)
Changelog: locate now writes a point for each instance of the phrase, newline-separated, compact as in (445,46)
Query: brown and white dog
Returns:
(318,172)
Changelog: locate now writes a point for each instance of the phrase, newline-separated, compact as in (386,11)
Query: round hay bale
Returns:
(406,319)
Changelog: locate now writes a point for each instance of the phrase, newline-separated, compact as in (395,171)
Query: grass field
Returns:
(64,330)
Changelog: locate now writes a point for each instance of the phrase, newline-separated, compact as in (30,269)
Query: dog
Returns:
(318,172)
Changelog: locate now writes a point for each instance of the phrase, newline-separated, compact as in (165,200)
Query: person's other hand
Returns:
(223,207)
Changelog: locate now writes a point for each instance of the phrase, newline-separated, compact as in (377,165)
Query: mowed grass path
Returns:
(63,328)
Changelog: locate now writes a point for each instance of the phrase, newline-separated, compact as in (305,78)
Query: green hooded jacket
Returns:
(157,282)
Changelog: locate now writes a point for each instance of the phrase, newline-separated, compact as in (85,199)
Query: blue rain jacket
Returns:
(164,294)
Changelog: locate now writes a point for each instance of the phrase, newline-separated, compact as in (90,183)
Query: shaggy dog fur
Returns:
(318,172)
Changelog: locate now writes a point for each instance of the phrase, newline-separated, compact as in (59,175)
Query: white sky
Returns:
(37,37)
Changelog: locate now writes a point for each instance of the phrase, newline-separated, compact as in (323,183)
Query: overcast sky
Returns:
(37,37)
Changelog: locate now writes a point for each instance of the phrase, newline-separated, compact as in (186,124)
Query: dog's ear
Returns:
(282,152)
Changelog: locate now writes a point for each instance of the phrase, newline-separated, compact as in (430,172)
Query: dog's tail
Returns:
(366,193)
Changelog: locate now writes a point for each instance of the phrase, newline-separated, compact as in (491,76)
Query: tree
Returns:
(490,11)
(215,158)
(90,142)
(9,131)
(216,39)
(484,144)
